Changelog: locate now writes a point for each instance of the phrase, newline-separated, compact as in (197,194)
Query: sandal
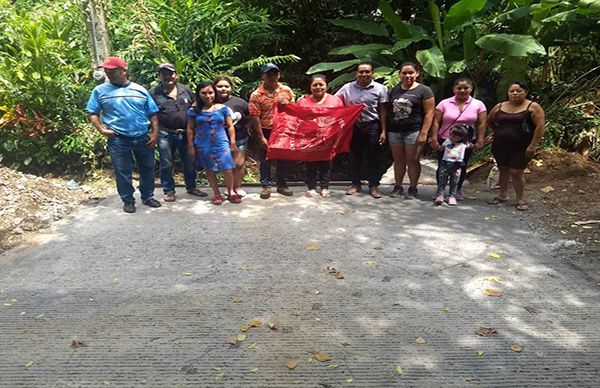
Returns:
(523,206)
(234,198)
(497,201)
(217,200)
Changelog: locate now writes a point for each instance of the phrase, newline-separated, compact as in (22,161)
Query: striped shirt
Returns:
(262,102)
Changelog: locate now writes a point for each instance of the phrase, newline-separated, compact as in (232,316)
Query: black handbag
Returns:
(527,126)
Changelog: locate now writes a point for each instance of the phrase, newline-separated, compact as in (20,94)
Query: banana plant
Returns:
(439,51)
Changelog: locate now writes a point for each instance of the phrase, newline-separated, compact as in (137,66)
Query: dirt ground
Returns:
(562,189)
(563,192)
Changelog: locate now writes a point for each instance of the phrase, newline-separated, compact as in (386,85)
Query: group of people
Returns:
(209,128)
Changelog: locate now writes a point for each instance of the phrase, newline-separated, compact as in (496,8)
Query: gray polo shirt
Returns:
(371,95)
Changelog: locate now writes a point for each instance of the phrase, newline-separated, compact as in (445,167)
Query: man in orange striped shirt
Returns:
(261,105)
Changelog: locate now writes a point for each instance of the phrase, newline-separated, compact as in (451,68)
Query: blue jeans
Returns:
(168,143)
(121,149)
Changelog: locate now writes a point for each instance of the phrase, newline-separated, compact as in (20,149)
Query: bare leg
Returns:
(399,155)
(413,163)
(518,180)
(238,174)
(228,175)
(211,177)
(503,179)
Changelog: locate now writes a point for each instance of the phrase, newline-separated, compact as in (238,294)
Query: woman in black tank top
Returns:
(511,146)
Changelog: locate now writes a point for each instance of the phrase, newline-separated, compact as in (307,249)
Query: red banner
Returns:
(311,134)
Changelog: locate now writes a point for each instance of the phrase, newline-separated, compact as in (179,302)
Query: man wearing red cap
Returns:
(127,111)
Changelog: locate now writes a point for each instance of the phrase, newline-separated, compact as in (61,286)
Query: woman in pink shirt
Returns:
(319,98)
(459,109)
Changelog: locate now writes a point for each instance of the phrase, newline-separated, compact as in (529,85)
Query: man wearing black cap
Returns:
(261,104)
(124,111)
(173,100)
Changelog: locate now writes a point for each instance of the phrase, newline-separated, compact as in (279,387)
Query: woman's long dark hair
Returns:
(216,81)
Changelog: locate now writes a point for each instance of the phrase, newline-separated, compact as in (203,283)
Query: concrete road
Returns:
(151,298)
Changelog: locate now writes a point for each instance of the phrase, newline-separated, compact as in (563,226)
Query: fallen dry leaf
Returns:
(493,279)
(232,340)
(399,370)
(333,366)
(78,344)
(252,345)
(485,331)
(219,376)
(334,272)
(445,309)
(516,348)
(291,365)
(531,310)
(320,356)
(29,364)
(255,370)
(547,189)
(378,247)
(420,340)
(480,353)
(274,325)
(494,255)
(370,263)
(492,292)
(572,213)
(241,337)
(349,380)
(253,323)
(313,247)
(186,274)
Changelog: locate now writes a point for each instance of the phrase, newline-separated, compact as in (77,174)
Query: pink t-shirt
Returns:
(450,112)
(330,101)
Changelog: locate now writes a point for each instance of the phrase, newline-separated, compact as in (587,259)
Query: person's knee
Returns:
(516,174)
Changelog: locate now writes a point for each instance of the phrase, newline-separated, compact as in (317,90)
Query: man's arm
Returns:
(255,123)
(95,119)
(153,132)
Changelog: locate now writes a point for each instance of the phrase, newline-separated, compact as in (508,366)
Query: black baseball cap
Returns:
(168,66)
(268,67)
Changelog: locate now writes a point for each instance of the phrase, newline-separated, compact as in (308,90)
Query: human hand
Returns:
(435,144)
(382,138)
(479,144)
(233,147)
(488,139)
(264,142)
(152,139)
(191,150)
(530,151)
(108,132)
(422,139)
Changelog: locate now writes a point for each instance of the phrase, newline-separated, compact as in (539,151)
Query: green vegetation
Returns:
(45,64)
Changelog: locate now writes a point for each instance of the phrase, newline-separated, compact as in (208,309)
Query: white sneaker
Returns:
(311,193)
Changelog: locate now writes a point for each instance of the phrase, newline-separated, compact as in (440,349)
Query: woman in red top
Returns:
(319,98)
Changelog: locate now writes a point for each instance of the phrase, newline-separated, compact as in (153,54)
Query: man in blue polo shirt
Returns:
(127,111)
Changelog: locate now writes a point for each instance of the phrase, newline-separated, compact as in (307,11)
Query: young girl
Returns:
(450,165)
(208,142)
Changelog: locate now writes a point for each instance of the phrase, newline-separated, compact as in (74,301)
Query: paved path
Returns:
(155,295)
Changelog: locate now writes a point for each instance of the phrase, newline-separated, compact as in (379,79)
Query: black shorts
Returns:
(511,156)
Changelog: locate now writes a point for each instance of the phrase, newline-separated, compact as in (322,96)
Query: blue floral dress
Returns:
(210,139)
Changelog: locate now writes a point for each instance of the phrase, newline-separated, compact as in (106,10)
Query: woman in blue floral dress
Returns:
(208,142)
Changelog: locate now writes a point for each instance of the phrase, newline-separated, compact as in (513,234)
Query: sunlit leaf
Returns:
(291,364)
(516,348)
(321,356)
(492,292)
(399,370)
(313,247)
(494,255)
(420,340)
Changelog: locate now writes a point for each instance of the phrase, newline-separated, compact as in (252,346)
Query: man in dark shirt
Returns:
(173,100)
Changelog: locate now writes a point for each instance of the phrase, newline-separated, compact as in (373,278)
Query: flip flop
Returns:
(496,201)
(522,206)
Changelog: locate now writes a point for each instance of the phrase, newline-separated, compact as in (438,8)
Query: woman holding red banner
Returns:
(319,98)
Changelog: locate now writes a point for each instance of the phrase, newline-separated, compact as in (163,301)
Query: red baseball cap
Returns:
(114,63)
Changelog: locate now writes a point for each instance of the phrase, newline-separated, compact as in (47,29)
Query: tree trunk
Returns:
(94,12)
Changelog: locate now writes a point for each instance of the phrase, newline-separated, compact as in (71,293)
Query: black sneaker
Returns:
(152,202)
(411,193)
(397,192)
(129,207)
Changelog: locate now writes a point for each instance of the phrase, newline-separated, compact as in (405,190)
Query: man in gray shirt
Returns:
(370,130)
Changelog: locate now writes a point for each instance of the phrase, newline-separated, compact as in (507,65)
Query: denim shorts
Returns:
(408,138)
(242,145)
